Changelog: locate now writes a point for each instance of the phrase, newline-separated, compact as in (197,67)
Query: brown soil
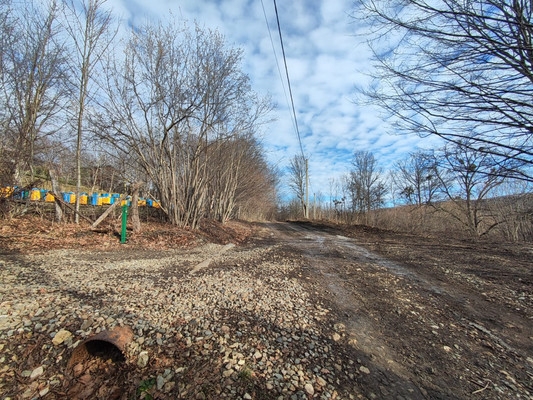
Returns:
(453,317)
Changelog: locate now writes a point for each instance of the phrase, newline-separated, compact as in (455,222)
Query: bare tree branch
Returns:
(459,70)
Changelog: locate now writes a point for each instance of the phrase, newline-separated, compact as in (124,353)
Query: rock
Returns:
(340,327)
(169,386)
(160,382)
(142,360)
(336,337)
(227,373)
(309,389)
(4,322)
(37,372)
(321,381)
(86,324)
(61,336)
(28,393)
(364,369)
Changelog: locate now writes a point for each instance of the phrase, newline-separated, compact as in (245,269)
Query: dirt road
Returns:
(296,311)
(431,330)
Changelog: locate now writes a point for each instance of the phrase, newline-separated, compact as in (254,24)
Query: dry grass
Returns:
(502,219)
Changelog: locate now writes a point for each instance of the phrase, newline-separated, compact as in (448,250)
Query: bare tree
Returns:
(172,97)
(460,70)
(33,77)
(416,178)
(89,26)
(7,38)
(256,192)
(512,203)
(365,183)
(238,173)
(297,180)
(467,179)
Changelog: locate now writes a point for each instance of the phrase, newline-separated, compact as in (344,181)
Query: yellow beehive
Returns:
(49,198)
(156,204)
(6,191)
(72,198)
(99,201)
(35,195)
(83,199)
(141,203)
(106,199)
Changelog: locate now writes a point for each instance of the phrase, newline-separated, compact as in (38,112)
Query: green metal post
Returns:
(124,223)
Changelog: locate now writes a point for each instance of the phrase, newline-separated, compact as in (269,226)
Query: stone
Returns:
(61,336)
(37,372)
(86,324)
(4,322)
(340,327)
(227,373)
(309,389)
(142,360)
(364,369)
(160,382)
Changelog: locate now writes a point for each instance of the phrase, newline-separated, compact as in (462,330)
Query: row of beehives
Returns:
(93,199)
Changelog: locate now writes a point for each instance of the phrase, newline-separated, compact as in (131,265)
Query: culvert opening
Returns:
(105,351)
(106,345)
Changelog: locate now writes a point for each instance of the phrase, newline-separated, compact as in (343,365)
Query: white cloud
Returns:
(325,60)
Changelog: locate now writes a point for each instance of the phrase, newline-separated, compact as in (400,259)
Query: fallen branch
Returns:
(106,212)
(482,389)
(59,200)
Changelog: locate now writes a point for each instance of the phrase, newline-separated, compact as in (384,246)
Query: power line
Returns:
(288,80)
(277,61)
(306,207)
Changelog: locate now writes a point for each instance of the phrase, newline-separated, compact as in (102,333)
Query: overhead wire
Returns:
(288,80)
(277,61)
(295,119)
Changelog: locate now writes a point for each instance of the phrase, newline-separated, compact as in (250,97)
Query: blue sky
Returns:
(326,61)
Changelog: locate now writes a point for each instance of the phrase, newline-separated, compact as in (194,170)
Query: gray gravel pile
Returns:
(241,327)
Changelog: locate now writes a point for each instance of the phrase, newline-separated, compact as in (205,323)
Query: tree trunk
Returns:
(55,189)
(135,220)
